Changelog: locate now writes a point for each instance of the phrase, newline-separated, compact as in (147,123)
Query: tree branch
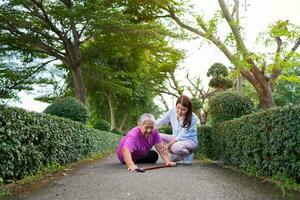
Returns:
(278,49)
(164,102)
(30,74)
(204,95)
(34,41)
(45,18)
(235,28)
(293,50)
(278,71)
(180,23)
(177,88)
(167,92)
(196,87)
(212,38)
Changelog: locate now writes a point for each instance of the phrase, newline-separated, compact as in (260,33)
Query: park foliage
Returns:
(30,141)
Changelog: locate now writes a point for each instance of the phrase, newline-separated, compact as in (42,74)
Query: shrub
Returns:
(228,105)
(70,108)
(217,69)
(197,104)
(166,129)
(264,143)
(28,141)
(117,131)
(220,82)
(102,125)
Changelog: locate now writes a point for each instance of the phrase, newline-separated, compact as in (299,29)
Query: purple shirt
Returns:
(137,144)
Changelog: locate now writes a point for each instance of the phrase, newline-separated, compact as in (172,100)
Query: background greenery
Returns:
(264,143)
(30,141)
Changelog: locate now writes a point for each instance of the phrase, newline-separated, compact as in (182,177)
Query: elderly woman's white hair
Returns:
(146,117)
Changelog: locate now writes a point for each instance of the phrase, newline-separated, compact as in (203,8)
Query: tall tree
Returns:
(128,86)
(61,29)
(252,66)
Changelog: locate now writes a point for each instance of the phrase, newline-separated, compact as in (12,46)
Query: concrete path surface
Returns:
(108,179)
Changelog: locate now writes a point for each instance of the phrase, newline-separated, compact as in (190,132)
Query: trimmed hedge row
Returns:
(28,141)
(264,143)
(205,141)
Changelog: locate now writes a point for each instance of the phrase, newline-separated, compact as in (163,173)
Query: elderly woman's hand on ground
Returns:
(170,163)
(132,167)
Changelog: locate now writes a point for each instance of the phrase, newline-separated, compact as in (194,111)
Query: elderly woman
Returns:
(136,146)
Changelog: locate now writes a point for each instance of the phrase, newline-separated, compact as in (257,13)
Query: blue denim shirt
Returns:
(180,133)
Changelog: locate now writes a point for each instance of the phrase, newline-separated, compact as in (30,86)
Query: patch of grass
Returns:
(91,158)
(203,158)
(97,156)
(50,168)
(286,184)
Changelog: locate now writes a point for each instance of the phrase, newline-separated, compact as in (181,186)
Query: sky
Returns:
(199,56)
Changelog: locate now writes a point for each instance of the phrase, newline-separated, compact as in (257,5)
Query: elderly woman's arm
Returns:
(164,154)
(128,159)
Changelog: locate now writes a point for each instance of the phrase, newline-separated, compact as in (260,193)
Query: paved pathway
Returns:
(108,179)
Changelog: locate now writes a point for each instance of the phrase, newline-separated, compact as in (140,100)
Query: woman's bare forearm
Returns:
(127,158)
(163,153)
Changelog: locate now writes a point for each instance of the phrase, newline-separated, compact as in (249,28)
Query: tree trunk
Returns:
(112,112)
(239,84)
(123,122)
(164,102)
(261,85)
(203,117)
(265,95)
(80,90)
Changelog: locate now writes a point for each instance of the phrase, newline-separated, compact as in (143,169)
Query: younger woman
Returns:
(183,140)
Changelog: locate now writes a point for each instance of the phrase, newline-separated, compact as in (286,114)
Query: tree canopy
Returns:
(262,72)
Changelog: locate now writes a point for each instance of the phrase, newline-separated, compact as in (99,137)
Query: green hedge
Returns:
(102,125)
(28,141)
(70,108)
(205,141)
(166,129)
(264,143)
(229,104)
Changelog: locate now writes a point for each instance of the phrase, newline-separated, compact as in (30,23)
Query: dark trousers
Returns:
(151,157)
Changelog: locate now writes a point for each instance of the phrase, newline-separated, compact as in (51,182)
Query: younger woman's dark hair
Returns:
(185,101)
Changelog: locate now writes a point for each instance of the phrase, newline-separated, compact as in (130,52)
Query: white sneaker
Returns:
(175,157)
(187,160)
